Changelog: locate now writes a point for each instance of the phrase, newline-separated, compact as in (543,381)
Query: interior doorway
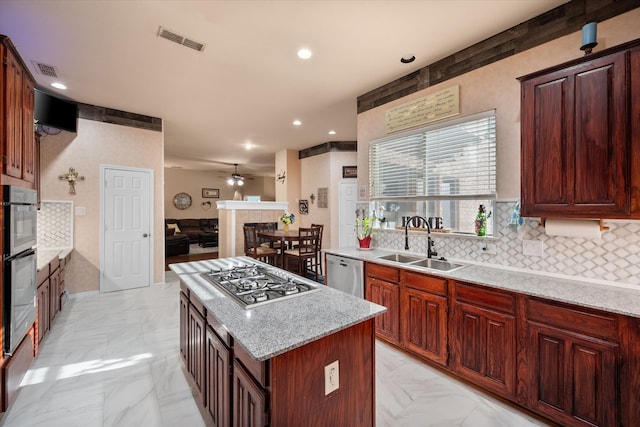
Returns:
(126,220)
(347,213)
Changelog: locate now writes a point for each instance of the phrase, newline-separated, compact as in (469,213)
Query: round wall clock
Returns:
(182,200)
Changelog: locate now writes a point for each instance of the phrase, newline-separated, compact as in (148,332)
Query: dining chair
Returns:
(305,253)
(253,249)
(265,226)
(318,260)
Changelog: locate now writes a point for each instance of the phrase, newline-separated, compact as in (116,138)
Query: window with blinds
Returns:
(451,160)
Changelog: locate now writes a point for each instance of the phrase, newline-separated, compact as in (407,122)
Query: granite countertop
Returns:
(611,298)
(272,329)
(45,255)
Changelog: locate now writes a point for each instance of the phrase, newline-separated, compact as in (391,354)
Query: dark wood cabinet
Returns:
(576,137)
(28,134)
(196,346)
(13,86)
(184,325)
(249,408)
(43,307)
(17,110)
(217,373)
(484,337)
(382,287)
(54,298)
(573,358)
(242,391)
(424,308)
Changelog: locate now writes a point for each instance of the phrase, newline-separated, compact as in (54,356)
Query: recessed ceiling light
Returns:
(304,53)
(297,123)
(332,132)
(407,59)
(59,86)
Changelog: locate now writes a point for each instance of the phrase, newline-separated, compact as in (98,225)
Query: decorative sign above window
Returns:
(430,108)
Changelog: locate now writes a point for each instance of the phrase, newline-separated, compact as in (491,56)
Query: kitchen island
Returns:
(304,360)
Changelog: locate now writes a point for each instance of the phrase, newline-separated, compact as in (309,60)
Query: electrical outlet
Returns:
(331,377)
(488,248)
(532,247)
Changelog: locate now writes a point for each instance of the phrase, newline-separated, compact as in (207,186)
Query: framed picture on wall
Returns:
(349,171)
(211,193)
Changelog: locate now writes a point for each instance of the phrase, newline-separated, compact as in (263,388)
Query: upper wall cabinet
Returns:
(16,109)
(578,142)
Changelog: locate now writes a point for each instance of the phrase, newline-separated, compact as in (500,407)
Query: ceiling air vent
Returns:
(44,69)
(177,38)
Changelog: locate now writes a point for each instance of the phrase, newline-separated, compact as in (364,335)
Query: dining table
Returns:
(280,239)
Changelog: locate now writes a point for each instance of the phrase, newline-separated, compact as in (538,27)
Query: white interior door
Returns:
(127,218)
(347,213)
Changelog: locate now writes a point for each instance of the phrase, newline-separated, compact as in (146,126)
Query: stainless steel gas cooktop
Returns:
(255,285)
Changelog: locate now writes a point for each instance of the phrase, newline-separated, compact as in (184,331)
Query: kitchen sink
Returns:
(418,261)
(401,258)
(437,264)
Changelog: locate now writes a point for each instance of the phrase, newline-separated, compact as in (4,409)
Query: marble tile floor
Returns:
(113,360)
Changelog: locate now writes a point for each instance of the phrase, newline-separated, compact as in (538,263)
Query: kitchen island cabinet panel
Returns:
(184,326)
(249,407)
(484,338)
(298,380)
(216,393)
(195,347)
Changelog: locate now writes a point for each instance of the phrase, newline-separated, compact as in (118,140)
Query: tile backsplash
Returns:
(55,224)
(615,257)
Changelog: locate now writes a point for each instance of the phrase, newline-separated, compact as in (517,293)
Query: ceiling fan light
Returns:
(240,182)
(230,181)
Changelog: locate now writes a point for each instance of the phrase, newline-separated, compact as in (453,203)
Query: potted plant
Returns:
(364,226)
(287,218)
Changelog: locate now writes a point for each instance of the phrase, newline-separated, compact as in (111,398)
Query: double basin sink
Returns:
(417,261)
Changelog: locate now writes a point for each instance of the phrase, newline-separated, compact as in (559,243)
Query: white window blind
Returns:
(451,160)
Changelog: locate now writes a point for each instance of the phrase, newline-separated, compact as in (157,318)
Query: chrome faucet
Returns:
(430,251)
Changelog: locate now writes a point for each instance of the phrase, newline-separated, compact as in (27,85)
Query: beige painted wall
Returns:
(495,86)
(289,190)
(324,170)
(193,181)
(98,144)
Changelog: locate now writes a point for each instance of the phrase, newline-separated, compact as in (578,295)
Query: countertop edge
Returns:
(610,298)
(340,311)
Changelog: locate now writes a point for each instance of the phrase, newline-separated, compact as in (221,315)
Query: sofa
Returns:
(175,243)
(193,228)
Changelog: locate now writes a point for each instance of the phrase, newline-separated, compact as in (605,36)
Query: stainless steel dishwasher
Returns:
(345,274)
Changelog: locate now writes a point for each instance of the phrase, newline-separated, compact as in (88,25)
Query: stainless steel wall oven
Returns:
(19,228)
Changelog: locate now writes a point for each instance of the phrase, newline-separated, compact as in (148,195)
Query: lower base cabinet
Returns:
(573,365)
(424,308)
(484,338)
(216,385)
(237,390)
(573,374)
(249,399)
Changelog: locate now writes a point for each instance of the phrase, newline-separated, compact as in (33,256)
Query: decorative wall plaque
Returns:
(323,197)
(430,108)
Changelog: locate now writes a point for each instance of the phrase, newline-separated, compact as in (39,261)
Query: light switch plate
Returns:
(331,377)
(532,247)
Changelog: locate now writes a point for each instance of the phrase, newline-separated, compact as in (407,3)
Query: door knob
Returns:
(145,235)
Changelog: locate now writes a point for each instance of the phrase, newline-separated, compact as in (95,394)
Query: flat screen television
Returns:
(55,112)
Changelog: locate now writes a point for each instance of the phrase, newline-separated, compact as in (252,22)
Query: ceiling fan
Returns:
(236,178)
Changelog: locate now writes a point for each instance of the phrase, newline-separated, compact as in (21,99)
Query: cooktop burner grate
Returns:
(255,285)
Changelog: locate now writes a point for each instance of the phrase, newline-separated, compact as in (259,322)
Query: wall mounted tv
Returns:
(54,112)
